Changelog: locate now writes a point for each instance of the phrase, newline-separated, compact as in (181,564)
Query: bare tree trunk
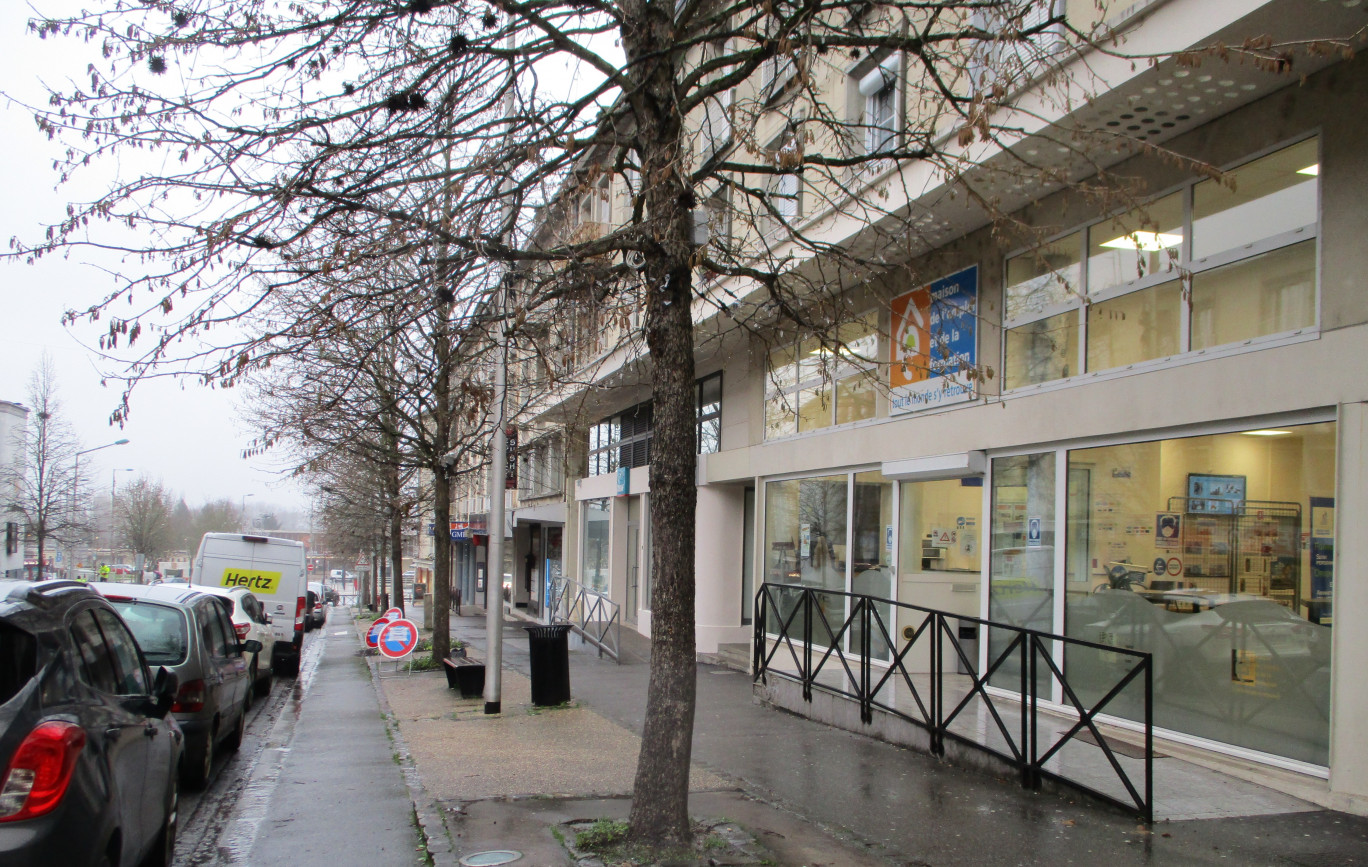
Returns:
(396,539)
(440,598)
(660,797)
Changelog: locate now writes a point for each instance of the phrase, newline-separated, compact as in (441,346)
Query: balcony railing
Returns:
(849,645)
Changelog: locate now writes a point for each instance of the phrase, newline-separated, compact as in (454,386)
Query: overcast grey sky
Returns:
(189,437)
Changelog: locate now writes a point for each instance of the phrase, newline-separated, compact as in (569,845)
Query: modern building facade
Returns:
(13,428)
(1138,420)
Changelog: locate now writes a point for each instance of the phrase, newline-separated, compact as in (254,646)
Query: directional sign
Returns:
(393,614)
(398,639)
(373,634)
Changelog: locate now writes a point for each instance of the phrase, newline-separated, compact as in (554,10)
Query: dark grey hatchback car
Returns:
(88,748)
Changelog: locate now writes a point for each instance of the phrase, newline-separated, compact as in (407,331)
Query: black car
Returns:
(88,749)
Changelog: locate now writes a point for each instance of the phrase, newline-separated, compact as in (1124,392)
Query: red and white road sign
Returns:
(398,639)
(393,614)
(373,634)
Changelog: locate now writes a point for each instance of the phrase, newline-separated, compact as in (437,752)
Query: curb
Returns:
(431,825)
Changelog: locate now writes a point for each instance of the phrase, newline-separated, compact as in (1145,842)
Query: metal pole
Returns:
(75,484)
(498,470)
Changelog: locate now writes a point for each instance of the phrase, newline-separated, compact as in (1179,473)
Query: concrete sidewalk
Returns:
(809,793)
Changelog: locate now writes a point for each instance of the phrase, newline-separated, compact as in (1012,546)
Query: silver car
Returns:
(191,633)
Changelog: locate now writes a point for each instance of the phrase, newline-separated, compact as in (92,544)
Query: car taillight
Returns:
(40,771)
(299,614)
(242,629)
(189,698)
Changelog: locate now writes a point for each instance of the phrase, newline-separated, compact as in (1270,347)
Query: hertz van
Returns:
(274,570)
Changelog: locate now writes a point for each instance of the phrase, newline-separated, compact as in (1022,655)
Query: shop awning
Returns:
(952,466)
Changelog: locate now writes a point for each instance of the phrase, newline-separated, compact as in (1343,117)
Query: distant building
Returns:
(13,428)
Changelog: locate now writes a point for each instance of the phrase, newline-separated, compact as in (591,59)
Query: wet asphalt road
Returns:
(314,781)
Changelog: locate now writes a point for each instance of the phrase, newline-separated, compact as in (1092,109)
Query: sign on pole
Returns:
(393,614)
(398,639)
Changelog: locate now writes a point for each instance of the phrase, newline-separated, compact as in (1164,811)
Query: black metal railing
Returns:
(590,613)
(1021,662)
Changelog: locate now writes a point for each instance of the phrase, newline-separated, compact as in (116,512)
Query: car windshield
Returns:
(161,631)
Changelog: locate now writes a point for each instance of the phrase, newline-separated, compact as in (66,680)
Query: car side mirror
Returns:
(251,645)
(164,688)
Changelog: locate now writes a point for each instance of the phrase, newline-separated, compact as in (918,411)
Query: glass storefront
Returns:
(595,556)
(1203,551)
(1214,553)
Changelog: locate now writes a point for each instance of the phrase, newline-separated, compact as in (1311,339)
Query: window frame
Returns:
(1183,271)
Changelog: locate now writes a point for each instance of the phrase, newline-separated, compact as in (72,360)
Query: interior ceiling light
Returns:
(1266,433)
(1313,169)
(1147,241)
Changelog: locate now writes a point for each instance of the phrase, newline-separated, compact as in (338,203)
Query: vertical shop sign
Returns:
(934,351)
(511,464)
(1322,553)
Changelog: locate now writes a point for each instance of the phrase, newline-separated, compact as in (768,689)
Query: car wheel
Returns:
(262,687)
(235,736)
(199,762)
(164,850)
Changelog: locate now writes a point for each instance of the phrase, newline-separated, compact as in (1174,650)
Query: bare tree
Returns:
(43,481)
(142,517)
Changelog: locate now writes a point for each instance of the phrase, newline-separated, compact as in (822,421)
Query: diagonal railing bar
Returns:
(978,688)
(1086,718)
(590,614)
(865,629)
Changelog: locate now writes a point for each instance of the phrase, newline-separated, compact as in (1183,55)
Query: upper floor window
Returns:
(710,414)
(879,89)
(814,384)
(1215,263)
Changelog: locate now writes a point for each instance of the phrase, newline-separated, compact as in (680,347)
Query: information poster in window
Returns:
(934,350)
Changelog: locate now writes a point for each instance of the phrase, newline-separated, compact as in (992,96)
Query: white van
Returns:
(274,570)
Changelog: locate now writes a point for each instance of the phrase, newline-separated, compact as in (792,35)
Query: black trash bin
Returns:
(550,653)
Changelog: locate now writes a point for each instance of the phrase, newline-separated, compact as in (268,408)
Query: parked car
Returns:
(317,605)
(250,620)
(88,748)
(190,633)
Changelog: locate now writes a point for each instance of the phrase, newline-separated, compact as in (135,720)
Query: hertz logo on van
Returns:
(254,580)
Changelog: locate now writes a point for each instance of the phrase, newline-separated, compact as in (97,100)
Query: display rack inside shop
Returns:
(1254,549)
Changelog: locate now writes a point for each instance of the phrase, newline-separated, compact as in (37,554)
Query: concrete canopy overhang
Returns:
(936,467)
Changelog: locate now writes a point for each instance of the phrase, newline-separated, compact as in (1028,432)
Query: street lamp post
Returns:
(75,482)
(113,519)
(243,510)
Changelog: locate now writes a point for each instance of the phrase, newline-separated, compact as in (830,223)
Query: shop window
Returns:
(1249,251)
(805,545)
(1021,560)
(594,563)
(1215,554)
(817,384)
(939,529)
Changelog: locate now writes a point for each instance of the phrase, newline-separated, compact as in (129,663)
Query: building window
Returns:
(710,414)
(1208,266)
(879,89)
(814,384)
(594,565)
(603,440)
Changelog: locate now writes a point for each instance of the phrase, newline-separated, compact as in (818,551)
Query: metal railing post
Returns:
(807,645)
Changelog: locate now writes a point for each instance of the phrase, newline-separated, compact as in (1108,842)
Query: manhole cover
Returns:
(491,859)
